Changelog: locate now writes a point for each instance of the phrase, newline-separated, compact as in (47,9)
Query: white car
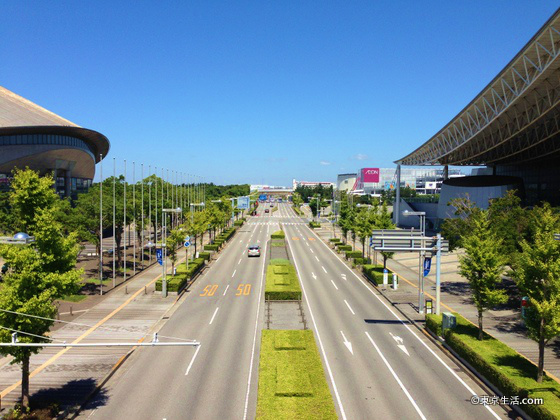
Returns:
(254,251)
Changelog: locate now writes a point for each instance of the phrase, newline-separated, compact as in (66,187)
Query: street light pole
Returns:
(101,224)
(422,216)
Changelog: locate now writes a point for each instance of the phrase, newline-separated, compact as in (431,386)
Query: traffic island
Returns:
(292,382)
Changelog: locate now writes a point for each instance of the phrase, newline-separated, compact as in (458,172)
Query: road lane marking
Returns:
(347,304)
(314,276)
(239,262)
(344,277)
(469,389)
(422,416)
(254,340)
(214,316)
(317,258)
(347,343)
(225,291)
(322,267)
(192,360)
(334,285)
(400,343)
(234,271)
(311,249)
(335,388)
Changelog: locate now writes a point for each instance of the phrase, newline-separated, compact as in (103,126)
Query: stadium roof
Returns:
(514,120)
(20,116)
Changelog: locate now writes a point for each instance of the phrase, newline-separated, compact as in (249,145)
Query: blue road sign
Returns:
(187,244)
(159,256)
(370,242)
(263,197)
(243,203)
(427,265)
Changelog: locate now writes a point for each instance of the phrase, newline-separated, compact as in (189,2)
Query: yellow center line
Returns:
(80,338)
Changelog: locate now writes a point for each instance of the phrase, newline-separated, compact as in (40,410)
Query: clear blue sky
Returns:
(261,91)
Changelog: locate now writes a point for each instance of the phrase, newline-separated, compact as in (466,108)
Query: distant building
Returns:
(31,136)
(296,184)
(346,182)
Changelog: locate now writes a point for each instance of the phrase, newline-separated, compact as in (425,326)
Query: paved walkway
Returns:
(504,323)
(128,313)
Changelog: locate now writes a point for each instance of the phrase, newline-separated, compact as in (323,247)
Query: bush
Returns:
(501,365)
(298,211)
(375,273)
(335,240)
(282,282)
(239,222)
(279,234)
(314,225)
(344,248)
(177,282)
(353,254)
(211,247)
(362,261)
(205,255)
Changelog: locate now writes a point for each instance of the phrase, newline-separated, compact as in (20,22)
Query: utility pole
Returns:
(101,224)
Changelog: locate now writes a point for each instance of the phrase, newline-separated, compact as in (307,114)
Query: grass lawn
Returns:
(282,282)
(278,244)
(292,383)
(73,298)
(512,373)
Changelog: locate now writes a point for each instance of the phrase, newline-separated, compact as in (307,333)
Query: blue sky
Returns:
(261,92)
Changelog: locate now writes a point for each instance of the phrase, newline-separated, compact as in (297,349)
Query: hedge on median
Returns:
(279,234)
(353,254)
(298,211)
(314,225)
(343,248)
(501,365)
(292,382)
(335,240)
(239,222)
(205,255)
(211,247)
(375,273)
(282,282)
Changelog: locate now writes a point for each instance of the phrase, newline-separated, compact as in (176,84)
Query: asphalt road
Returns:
(376,364)
(224,311)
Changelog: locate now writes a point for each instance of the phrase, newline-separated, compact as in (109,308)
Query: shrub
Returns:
(335,240)
(282,282)
(353,254)
(211,247)
(375,273)
(344,248)
(433,323)
(177,282)
(238,222)
(204,255)
(279,234)
(362,261)
(298,211)
(314,225)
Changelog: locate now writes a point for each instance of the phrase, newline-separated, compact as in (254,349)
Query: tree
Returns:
(537,274)
(384,222)
(172,243)
(38,274)
(483,264)
(296,199)
(365,221)
(30,192)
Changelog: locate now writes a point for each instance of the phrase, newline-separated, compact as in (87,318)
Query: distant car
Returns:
(272,205)
(266,210)
(254,251)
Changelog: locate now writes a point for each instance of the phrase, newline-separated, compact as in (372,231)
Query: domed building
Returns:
(31,136)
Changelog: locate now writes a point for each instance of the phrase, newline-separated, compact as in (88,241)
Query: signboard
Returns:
(389,186)
(187,244)
(159,255)
(370,175)
(243,203)
(427,265)
(431,185)
(263,197)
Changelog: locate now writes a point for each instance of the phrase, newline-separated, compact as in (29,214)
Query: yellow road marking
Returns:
(311,239)
(295,238)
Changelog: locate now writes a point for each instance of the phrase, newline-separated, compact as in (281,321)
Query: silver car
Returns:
(254,251)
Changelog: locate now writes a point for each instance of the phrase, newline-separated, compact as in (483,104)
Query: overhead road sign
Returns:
(243,203)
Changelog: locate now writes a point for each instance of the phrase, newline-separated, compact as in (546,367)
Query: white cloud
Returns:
(325,163)
(360,156)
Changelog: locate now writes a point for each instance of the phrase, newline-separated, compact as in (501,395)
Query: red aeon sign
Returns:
(370,174)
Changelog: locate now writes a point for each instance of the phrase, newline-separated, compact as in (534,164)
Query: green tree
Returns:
(365,221)
(38,274)
(384,221)
(537,274)
(483,264)
(296,199)
(30,192)
(172,242)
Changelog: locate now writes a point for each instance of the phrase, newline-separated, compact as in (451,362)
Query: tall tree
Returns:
(537,274)
(384,221)
(483,264)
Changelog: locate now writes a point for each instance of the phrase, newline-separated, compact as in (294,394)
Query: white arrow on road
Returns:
(343,277)
(347,343)
(400,343)
(314,276)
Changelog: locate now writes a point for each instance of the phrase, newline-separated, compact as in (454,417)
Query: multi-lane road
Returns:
(376,364)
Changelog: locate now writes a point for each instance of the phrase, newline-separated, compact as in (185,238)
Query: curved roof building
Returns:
(31,136)
(513,125)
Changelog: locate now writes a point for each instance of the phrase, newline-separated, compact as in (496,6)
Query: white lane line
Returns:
(332,281)
(347,343)
(192,360)
(225,291)
(311,250)
(349,307)
(241,241)
(234,271)
(469,389)
(422,416)
(335,388)
(317,258)
(239,262)
(323,268)
(214,316)
(254,339)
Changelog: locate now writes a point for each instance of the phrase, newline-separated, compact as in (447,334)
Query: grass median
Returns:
(282,282)
(292,383)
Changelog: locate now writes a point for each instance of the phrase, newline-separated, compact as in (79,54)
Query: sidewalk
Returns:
(68,375)
(504,323)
